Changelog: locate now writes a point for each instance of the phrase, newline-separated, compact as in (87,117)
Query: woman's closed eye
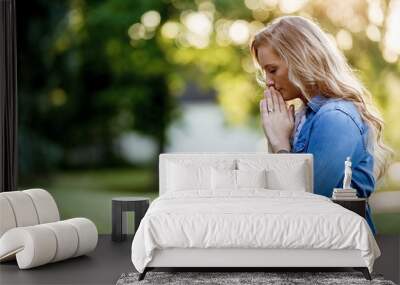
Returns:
(270,70)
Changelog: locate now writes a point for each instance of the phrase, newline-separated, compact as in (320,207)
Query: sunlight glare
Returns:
(344,40)
(151,19)
(239,32)
(170,30)
(291,6)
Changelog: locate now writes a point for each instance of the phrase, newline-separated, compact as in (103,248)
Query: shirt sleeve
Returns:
(333,137)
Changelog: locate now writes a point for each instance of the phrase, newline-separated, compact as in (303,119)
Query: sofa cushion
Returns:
(23,208)
(40,244)
(7,220)
(45,205)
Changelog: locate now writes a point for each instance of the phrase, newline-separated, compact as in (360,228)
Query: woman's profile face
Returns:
(276,72)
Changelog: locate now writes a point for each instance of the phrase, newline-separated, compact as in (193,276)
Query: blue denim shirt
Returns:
(332,131)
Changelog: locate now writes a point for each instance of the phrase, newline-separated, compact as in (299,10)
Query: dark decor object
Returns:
(139,205)
(356,205)
(8,96)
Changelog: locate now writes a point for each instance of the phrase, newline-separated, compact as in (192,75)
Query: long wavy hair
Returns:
(316,64)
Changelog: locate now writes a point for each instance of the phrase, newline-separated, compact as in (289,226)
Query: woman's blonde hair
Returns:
(315,64)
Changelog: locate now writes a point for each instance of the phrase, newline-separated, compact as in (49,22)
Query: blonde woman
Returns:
(336,120)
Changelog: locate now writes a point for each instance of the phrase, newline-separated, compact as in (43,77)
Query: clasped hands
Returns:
(277,119)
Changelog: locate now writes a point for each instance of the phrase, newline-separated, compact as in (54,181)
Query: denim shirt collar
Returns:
(313,106)
(316,102)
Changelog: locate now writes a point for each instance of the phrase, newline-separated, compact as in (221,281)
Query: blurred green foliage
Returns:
(81,83)
(92,70)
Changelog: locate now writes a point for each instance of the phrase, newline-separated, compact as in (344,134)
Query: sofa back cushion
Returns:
(26,208)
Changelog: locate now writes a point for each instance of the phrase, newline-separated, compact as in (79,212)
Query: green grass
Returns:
(89,193)
(387,223)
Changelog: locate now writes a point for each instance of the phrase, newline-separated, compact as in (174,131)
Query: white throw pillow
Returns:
(193,173)
(227,179)
(184,177)
(281,174)
(223,179)
(251,178)
(295,180)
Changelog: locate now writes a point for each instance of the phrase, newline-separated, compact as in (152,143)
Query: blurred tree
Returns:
(82,83)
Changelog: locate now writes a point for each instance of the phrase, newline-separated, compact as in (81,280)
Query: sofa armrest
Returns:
(40,244)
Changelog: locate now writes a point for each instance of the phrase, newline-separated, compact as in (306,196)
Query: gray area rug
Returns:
(229,278)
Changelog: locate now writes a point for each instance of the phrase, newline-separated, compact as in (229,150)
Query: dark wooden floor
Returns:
(111,259)
(102,266)
(388,263)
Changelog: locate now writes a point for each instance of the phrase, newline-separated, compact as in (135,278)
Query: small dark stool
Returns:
(139,205)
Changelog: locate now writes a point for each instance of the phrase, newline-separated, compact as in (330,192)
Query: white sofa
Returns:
(31,231)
